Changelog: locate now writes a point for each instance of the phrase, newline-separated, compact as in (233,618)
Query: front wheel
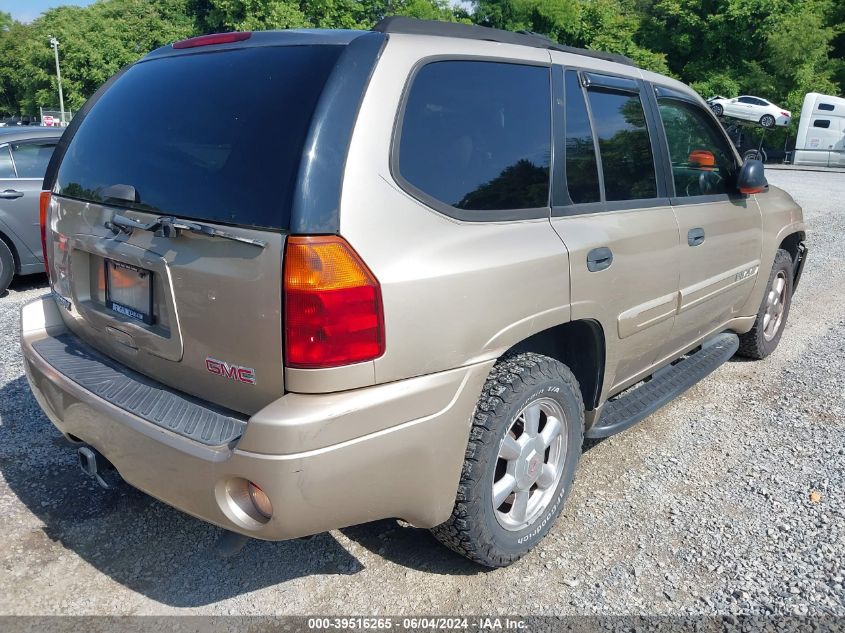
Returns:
(718,110)
(524,446)
(764,337)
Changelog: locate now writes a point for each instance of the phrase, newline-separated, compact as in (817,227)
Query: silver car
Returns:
(24,155)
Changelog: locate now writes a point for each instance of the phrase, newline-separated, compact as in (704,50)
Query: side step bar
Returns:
(665,385)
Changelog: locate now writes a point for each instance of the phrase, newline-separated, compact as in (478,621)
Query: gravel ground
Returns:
(731,500)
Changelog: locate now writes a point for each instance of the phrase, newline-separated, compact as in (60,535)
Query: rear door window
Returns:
(476,136)
(31,158)
(7,167)
(624,145)
(582,175)
(214,136)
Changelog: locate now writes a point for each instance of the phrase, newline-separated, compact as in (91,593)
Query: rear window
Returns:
(212,136)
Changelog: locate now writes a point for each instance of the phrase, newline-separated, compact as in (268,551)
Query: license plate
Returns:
(129,291)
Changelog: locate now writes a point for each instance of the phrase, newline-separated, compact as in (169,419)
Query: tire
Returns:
(752,154)
(718,110)
(7,267)
(518,388)
(767,121)
(763,338)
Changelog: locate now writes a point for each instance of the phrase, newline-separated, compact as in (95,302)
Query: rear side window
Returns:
(31,158)
(582,175)
(477,135)
(624,145)
(7,167)
(826,106)
(213,136)
(825,123)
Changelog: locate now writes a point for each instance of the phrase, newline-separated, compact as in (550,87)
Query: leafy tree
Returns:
(95,42)
(607,25)
(778,49)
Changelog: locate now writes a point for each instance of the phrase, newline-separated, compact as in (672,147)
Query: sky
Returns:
(28,10)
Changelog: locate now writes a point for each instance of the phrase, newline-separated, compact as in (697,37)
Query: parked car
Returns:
(404,295)
(16,121)
(24,154)
(750,108)
(821,131)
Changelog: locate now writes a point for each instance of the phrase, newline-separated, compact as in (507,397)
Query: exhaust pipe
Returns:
(93,464)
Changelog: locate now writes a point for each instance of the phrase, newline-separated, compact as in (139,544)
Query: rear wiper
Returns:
(167,226)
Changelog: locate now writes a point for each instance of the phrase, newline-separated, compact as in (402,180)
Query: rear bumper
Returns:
(325,461)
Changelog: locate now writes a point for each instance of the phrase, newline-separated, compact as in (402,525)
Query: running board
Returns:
(665,385)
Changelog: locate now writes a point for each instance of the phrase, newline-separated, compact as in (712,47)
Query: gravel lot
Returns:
(731,500)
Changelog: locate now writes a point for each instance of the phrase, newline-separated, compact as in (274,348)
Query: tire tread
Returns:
(504,386)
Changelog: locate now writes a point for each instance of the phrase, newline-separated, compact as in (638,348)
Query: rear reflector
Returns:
(333,307)
(214,38)
(43,209)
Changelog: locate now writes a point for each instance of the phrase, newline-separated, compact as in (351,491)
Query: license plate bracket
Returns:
(129,291)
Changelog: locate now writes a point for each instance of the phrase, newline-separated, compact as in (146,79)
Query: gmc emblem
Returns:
(245,375)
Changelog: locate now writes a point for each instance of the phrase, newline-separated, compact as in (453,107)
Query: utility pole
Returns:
(54,43)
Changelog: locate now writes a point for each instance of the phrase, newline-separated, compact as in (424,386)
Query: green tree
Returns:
(609,25)
(95,42)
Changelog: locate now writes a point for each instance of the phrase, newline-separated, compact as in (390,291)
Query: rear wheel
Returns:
(767,121)
(771,318)
(7,267)
(524,445)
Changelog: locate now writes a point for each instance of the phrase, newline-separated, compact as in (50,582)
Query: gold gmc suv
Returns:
(307,279)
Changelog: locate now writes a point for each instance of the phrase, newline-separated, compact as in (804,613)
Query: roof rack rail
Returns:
(413,26)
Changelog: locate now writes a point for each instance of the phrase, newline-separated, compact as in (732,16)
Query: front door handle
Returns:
(599,259)
(695,236)
(10,194)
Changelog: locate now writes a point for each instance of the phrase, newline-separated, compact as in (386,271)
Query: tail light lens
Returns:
(333,306)
(43,210)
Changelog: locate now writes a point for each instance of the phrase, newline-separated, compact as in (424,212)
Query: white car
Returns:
(750,108)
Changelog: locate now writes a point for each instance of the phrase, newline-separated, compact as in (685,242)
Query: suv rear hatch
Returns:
(169,210)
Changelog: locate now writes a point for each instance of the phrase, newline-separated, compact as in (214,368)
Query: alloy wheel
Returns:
(530,463)
(775,305)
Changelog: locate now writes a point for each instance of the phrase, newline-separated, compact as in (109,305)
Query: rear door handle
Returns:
(695,236)
(599,259)
(10,194)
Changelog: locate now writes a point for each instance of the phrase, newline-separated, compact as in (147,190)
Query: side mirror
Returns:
(702,159)
(752,177)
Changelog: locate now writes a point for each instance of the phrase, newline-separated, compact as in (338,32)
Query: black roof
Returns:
(412,26)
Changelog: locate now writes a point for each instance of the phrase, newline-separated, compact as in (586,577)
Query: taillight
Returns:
(214,38)
(43,210)
(333,307)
